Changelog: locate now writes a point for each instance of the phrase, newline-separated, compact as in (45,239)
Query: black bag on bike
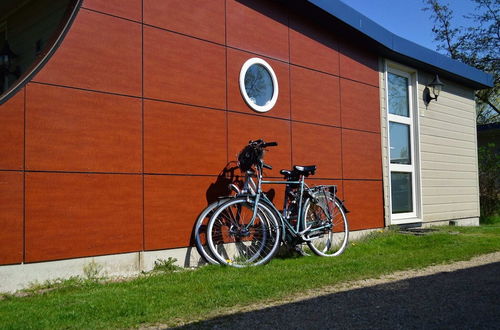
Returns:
(249,156)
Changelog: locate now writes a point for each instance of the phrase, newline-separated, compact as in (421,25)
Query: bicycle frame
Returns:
(300,227)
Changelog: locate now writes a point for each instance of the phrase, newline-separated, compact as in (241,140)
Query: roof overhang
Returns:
(399,49)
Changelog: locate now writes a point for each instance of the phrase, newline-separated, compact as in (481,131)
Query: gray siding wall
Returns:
(448,139)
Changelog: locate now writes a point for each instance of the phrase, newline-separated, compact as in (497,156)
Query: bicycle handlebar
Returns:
(269,167)
(261,144)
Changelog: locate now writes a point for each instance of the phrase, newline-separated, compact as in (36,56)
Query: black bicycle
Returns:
(247,229)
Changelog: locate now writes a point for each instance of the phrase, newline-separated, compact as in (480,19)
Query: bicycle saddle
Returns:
(299,170)
(305,170)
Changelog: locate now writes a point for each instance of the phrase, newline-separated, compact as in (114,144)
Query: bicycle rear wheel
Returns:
(235,240)
(200,230)
(329,232)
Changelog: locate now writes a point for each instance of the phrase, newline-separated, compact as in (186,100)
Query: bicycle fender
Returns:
(341,203)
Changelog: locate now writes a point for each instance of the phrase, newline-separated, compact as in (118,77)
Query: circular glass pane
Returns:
(259,85)
(30,32)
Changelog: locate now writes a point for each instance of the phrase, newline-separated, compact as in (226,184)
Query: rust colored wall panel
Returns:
(365,201)
(171,206)
(72,130)
(360,106)
(199,18)
(258,26)
(76,215)
(275,192)
(243,128)
(11,217)
(361,154)
(312,47)
(317,145)
(183,59)
(101,53)
(316,97)
(358,64)
(12,133)
(235,60)
(183,69)
(130,9)
(183,139)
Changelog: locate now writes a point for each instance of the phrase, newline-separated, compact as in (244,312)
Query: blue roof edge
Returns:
(476,78)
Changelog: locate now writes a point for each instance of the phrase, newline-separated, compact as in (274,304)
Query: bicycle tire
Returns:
(200,230)
(235,242)
(330,242)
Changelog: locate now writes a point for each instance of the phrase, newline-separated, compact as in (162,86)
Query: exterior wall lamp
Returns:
(436,86)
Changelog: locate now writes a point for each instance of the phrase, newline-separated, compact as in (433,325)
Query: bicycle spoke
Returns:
(237,243)
(329,233)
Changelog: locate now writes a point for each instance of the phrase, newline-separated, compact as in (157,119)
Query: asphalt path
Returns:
(462,299)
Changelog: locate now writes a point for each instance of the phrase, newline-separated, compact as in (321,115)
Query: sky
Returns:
(406,18)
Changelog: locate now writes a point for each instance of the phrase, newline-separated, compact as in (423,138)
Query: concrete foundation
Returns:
(16,277)
(455,222)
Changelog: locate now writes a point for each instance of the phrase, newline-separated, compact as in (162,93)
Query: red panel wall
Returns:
(80,214)
(74,130)
(11,217)
(100,53)
(198,18)
(180,139)
(125,135)
(11,179)
(172,73)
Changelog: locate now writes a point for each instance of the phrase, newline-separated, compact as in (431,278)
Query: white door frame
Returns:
(413,122)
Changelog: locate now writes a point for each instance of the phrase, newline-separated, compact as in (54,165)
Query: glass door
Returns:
(401,145)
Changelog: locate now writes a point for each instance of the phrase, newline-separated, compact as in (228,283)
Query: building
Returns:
(118,117)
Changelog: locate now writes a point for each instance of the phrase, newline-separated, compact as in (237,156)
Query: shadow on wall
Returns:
(291,14)
(230,174)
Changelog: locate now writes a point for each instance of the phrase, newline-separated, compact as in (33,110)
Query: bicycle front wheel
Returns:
(329,231)
(237,240)
(200,230)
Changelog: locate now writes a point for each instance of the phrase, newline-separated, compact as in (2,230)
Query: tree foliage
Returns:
(477,46)
(489,180)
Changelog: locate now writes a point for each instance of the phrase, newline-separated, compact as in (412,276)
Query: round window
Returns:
(30,32)
(258,85)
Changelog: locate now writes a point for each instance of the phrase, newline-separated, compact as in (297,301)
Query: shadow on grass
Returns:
(465,299)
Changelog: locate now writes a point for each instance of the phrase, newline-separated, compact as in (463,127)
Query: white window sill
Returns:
(405,221)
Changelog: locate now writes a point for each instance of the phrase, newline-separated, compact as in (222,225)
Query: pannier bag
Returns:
(250,156)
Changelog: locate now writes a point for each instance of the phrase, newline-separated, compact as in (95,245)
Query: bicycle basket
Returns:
(249,156)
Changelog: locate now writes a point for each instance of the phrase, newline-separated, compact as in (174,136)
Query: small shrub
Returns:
(92,271)
(166,266)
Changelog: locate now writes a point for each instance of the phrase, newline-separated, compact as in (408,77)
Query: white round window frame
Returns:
(269,105)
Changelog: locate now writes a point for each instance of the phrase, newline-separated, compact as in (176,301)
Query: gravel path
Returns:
(462,295)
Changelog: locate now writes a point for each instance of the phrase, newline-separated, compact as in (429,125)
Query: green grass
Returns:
(175,297)
(490,220)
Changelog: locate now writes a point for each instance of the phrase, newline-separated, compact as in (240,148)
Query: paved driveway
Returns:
(462,299)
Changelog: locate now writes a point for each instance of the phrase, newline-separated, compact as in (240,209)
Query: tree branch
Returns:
(488,102)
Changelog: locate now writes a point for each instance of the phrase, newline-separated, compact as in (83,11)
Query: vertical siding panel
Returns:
(449,146)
